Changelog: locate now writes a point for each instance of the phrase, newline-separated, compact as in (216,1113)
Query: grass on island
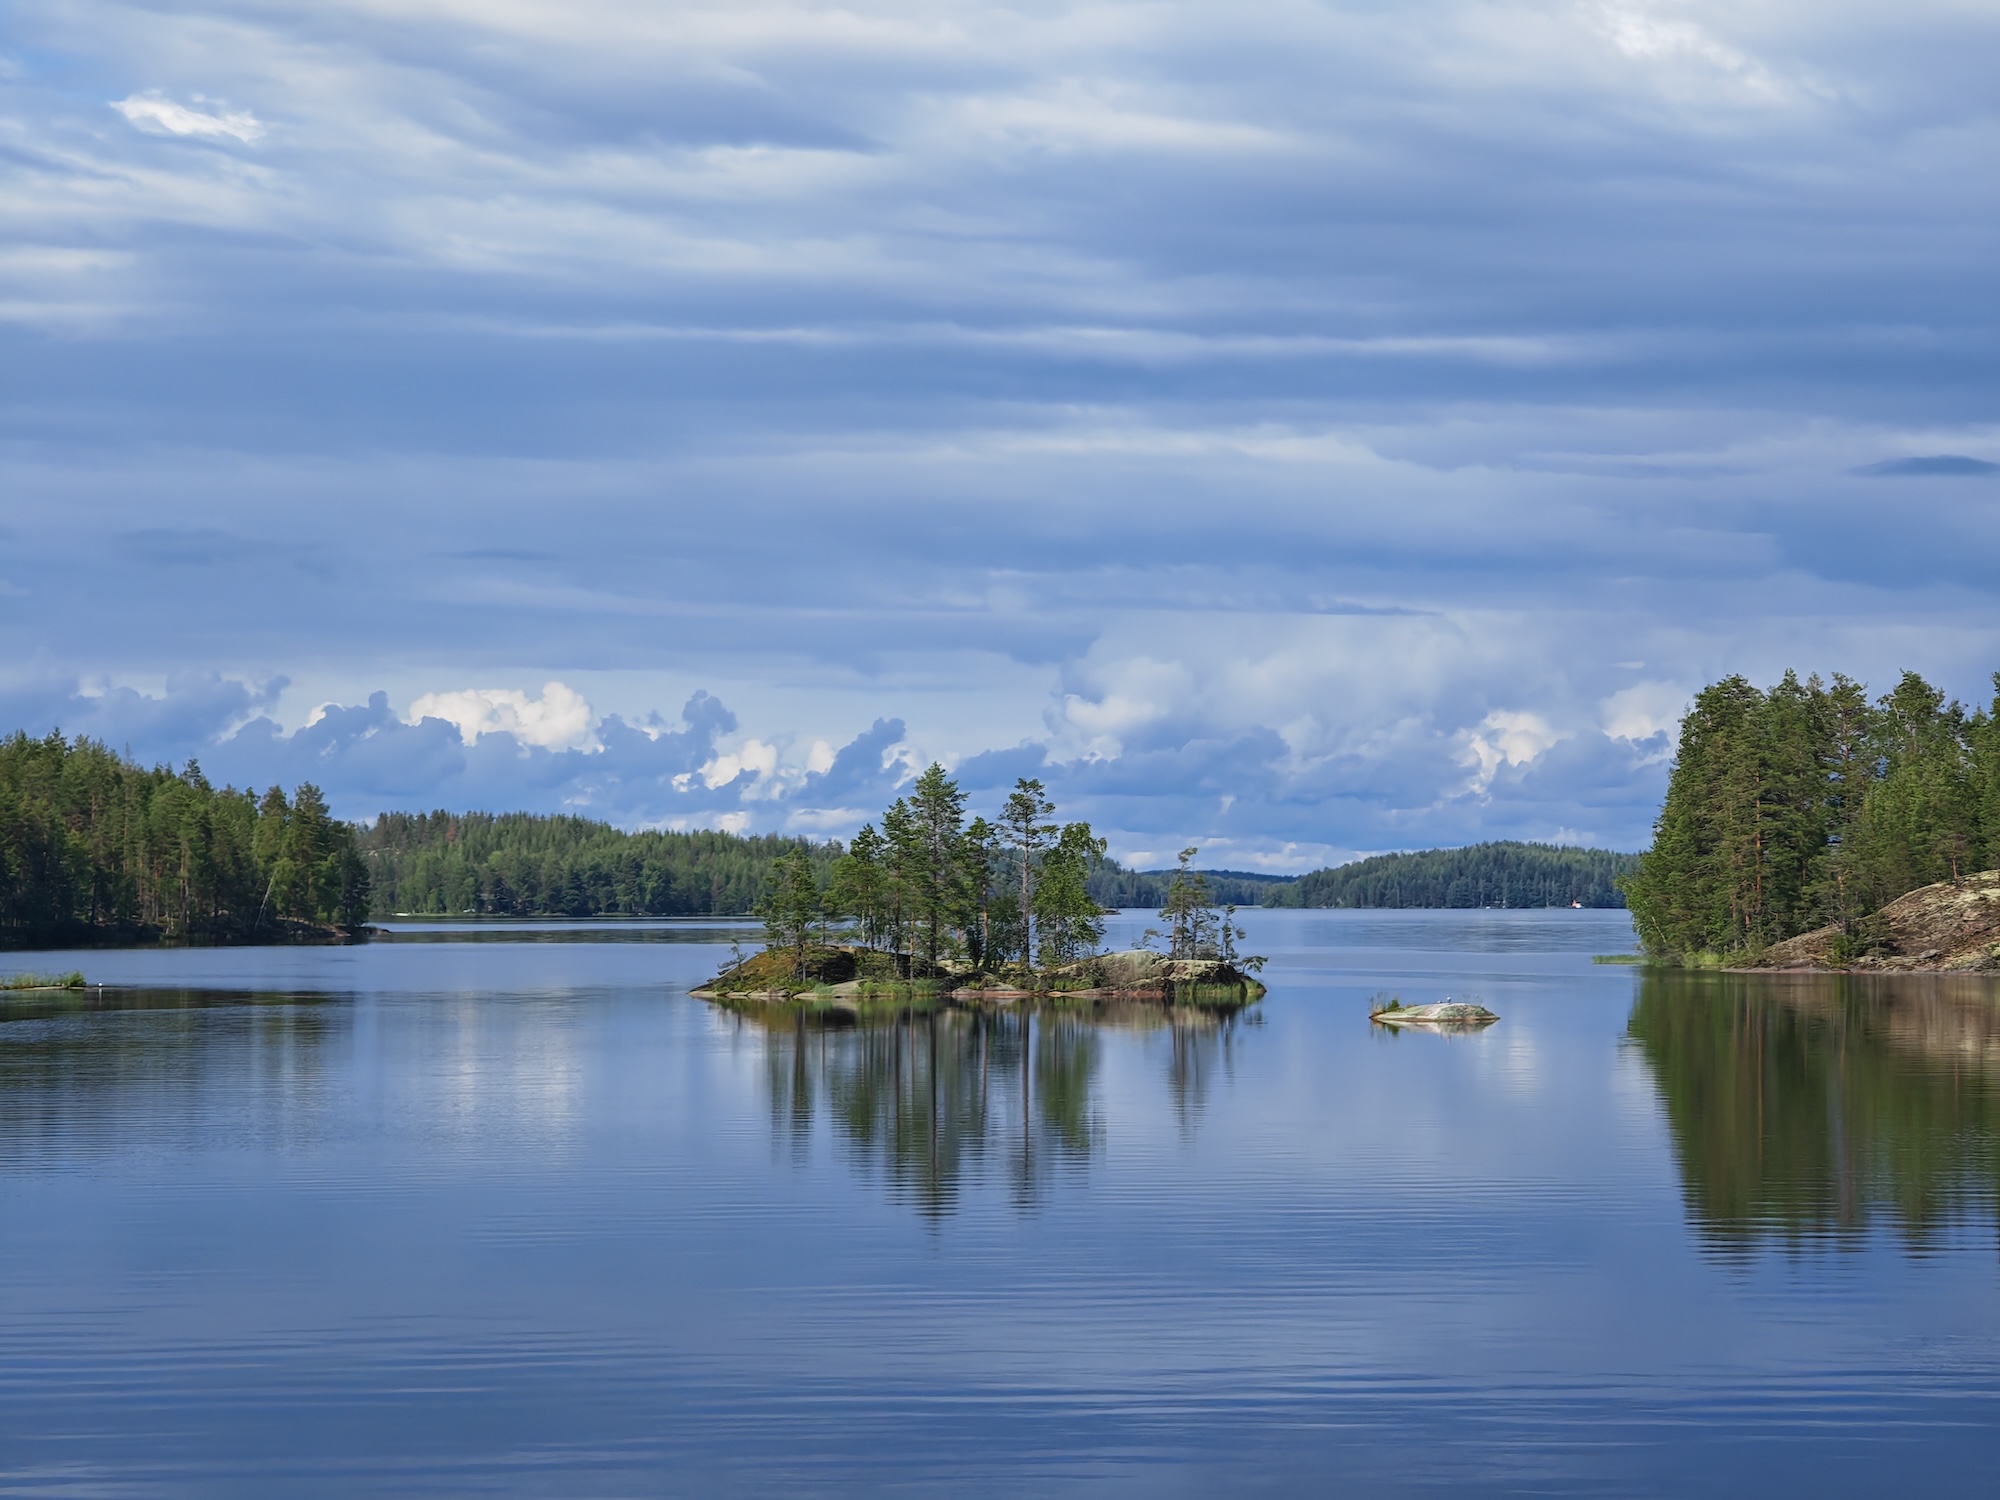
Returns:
(1619,958)
(73,980)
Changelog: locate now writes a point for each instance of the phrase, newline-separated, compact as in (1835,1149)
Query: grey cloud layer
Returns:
(1238,406)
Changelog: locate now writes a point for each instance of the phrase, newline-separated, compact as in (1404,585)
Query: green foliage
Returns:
(1493,874)
(1807,805)
(522,864)
(791,907)
(73,980)
(1069,923)
(1025,832)
(1195,928)
(947,896)
(93,847)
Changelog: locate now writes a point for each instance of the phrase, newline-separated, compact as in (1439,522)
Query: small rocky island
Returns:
(848,977)
(934,910)
(1443,1015)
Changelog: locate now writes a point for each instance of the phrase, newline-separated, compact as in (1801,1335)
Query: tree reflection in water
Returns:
(935,1099)
(1810,1107)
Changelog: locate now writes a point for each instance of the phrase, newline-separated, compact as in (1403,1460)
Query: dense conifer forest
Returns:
(525,864)
(1811,805)
(94,848)
(1494,874)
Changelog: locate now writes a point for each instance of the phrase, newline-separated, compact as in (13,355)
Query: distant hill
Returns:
(1495,874)
(1111,884)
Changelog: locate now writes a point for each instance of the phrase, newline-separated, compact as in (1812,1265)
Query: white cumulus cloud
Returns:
(561,719)
(1506,739)
(156,114)
(1644,709)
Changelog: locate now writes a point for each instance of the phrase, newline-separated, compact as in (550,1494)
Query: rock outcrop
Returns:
(1952,927)
(1456,1014)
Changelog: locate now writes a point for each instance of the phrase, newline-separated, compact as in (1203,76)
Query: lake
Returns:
(499,1209)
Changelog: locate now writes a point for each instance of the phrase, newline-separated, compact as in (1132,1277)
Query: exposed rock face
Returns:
(1951,926)
(1137,971)
(846,974)
(1459,1013)
(1131,970)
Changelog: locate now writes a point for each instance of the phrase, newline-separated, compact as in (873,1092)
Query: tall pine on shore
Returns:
(1808,805)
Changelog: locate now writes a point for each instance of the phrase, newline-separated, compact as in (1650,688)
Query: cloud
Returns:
(156,114)
(1645,710)
(1230,415)
(560,719)
(1957,464)
(1506,738)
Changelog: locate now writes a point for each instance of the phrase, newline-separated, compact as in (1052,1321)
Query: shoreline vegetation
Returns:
(1809,827)
(18,984)
(96,850)
(932,909)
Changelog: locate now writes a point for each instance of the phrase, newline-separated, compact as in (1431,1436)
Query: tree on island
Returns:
(1026,831)
(1196,929)
(1069,923)
(860,886)
(791,908)
(939,889)
(940,893)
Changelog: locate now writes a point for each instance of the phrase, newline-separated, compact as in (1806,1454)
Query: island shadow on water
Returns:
(1813,1110)
(939,1100)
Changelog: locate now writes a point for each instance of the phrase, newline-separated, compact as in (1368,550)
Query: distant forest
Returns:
(95,848)
(1810,805)
(1495,874)
(527,864)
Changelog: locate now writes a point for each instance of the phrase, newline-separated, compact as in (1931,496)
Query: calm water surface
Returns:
(500,1210)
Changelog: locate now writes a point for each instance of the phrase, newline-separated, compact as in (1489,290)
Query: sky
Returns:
(1296,430)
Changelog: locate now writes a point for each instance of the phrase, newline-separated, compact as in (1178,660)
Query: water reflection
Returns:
(100,1068)
(935,1100)
(1812,1107)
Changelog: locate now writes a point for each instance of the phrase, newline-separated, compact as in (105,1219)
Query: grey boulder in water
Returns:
(1444,1013)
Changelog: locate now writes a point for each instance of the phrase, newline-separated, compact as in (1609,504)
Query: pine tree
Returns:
(791,907)
(1025,828)
(937,870)
(1070,924)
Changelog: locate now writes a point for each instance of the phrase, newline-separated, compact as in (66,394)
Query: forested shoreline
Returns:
(1811,805)
(532,864)
(97,849)
(1505,874)
(542,865)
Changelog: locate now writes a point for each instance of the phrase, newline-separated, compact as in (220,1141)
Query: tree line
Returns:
(1502,873)
(1812,805)
(95,848)
(526,864)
